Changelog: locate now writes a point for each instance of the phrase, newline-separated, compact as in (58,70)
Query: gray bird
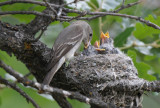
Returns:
(66,44)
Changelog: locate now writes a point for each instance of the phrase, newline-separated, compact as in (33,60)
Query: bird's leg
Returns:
(67,63)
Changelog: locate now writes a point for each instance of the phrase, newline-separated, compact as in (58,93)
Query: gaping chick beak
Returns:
(103,37)
(97,44)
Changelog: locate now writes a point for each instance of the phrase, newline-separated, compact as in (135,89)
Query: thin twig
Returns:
(126,6)
(97,14)
(21,92)
(134,44)
(66,4)
(36,39)
(50,7)
(60,6)
(59,12)
(27,75)
(121,15)
(83,14)
(26,12)
(123,3)
(87,18)
(22,1)
(93,5)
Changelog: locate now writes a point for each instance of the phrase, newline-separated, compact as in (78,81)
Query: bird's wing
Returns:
(66,40)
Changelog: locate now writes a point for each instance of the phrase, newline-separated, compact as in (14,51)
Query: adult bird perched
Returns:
(66,44)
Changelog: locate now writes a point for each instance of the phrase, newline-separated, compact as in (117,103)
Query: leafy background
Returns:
(124,31)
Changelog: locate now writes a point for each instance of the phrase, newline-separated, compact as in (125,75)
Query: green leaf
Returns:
(72,14)
(149,58)
(78,104)
(159,60)
(24,18)
(122,37)
(9,19)
(55,22)
(142,67)
(133,55)
(95,27)
(22,7)
(134,10)
(0,101)
(13,62)
(66,24)
(93,4)
(109,21)
(142,31)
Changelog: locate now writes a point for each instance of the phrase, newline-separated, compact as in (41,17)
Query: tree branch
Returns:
(21,92)
(51,90)
(98,14)
(27,12)
(49,6)
(126,6)
(154,44)
(89,18)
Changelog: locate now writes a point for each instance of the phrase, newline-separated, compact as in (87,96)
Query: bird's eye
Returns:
(90,34)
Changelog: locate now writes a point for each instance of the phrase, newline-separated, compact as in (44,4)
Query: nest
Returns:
(92,72)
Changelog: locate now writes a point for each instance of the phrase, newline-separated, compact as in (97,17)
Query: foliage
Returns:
(143,31)
(121,39)
(142,67)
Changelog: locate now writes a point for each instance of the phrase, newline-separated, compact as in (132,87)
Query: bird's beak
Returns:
(103,37)
(86,45)
(97,44)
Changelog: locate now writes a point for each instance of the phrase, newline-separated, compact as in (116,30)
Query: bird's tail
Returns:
(52,71)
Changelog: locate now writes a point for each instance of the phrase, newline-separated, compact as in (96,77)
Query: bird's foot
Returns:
(66,63)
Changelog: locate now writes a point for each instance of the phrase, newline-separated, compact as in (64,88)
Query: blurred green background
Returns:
(132,37)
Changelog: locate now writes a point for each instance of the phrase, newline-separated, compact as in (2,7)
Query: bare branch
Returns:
(126,6)
(59,12)
(36,39)
(61,100)
(21,92)
(24,1)
(154,44)
(100,14)
(27,12)
(49,6)
(83,14)
(27,75)
(97,14)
